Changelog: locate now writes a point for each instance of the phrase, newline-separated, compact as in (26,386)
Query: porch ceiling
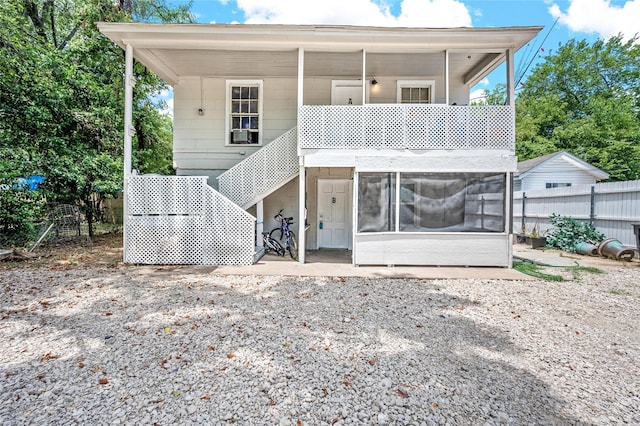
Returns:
(177,51)
(247,64)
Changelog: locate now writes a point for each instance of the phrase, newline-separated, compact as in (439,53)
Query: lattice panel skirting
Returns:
(257,175)
(163,240)
(209,230)
(230,232)
(397,126)
(166,195)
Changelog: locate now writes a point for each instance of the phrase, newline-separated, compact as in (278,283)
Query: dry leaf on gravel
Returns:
(402,394)
(48,356)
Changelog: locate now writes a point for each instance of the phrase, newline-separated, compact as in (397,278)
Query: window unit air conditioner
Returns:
(241,136)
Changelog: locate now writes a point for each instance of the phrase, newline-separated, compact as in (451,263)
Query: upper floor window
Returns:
(244,112)
(415,91)
(557,184)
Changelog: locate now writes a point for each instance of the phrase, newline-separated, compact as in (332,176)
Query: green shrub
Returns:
(20,211)
(568,232)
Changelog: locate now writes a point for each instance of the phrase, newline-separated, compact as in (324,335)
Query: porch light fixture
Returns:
(374,81)
(201,110)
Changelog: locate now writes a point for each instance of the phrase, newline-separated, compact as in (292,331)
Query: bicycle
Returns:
(284,235)
(271,245)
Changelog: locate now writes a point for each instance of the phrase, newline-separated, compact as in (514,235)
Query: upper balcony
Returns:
(406,127)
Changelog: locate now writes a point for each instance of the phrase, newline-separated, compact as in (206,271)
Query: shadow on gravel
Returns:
(190,348)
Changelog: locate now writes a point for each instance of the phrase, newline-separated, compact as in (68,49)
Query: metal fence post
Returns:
(524,197)
(592,211)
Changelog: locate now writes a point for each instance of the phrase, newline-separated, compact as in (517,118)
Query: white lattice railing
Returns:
(263,172)
(182,220)
(396,126)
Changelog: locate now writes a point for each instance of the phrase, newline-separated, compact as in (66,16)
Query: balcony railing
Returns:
(415,127)
(263,172)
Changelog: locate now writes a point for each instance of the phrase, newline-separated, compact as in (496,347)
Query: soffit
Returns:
(176,51)
(246,64)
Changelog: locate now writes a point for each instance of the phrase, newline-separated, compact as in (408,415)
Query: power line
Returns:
(536,52)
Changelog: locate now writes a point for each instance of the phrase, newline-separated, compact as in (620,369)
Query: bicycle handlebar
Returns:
(281,218)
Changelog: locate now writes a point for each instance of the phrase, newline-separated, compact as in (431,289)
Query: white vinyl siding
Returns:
(199,141)
(557,171)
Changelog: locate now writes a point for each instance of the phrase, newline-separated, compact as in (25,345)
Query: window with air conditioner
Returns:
(244,112)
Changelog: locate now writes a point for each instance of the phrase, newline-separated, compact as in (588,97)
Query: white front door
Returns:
(334,213)
(346,92)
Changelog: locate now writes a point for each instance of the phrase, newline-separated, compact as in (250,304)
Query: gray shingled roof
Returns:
(527,165)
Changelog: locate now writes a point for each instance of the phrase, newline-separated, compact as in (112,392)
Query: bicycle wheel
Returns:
(274,246)
(293,246)
(276,234)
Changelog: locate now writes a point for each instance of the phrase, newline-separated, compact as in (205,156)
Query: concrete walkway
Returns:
(337,263)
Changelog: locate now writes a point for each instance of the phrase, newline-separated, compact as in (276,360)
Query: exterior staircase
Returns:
(263,172)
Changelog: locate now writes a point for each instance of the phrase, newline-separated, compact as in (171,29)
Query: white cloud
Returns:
(478,96)
(168,110)
(484,82)
(166,95)
(413,13)
(600,17)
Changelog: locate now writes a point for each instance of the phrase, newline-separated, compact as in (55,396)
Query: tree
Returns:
(61,107)
(585,99)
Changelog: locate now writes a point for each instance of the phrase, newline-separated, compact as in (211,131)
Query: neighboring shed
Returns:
(555,170)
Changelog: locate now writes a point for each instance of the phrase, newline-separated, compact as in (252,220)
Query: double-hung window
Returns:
(244,112)
(415,91)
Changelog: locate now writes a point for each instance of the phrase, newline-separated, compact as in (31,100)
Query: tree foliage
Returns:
(585,99)
(61,102)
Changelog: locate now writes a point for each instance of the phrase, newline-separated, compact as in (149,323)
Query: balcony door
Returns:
(347,92)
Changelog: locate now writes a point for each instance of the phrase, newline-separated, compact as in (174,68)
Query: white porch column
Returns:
(511,98)
(364,76)
(128,108)
(128,126)
(446,77)
(260,222)
(302,234)
(300,76)
(300,91)
(302,181)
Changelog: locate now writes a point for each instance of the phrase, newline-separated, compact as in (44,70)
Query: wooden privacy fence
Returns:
(612,208)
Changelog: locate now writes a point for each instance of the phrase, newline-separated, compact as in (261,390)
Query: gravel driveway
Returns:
(180,346)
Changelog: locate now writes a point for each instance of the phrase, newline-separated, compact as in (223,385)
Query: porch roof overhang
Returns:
(176,51)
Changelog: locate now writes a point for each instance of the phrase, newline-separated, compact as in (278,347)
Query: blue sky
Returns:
(579,19)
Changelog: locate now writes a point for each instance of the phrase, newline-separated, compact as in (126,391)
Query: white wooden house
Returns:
(556,170)
(365,135)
